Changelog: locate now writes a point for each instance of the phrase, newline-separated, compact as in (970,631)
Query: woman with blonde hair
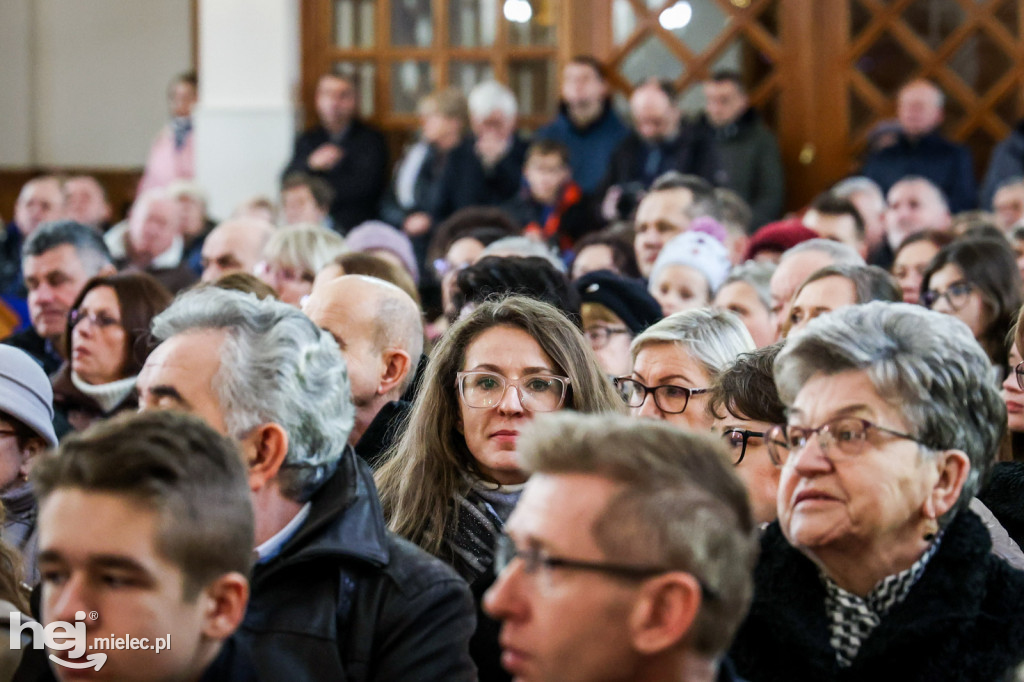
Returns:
(294,255)
(453,478)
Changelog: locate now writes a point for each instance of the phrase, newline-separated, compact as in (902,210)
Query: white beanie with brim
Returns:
(696,250)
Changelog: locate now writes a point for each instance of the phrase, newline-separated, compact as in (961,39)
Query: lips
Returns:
(505,436)
(812,496)
(1014,407)
(512,659)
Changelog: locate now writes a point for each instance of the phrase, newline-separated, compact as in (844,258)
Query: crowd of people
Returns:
(580,407)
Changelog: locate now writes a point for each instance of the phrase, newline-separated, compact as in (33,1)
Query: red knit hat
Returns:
(778,236)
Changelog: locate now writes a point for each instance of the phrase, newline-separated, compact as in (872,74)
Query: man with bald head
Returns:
(379,329)
(797,264)
(920,149)
(659,142)
(39,201)
(236,245)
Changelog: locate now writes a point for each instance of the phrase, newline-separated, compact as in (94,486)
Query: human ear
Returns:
(664,612)
(953,469)
(396,365)
(268,449)
(226,599)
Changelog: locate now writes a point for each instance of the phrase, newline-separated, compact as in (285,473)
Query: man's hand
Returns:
(416,224)
(325,157)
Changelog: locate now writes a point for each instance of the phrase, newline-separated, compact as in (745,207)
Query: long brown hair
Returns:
(426,469)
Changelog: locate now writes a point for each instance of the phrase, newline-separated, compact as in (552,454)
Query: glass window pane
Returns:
(353,23)
(539,29)
(464,75)
(533,83)
(623,21)
(651,59)
(364,76)
(411,23)
(410,80)
(472,23)
(696,24)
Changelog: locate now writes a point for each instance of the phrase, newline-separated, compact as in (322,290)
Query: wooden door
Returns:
(824,73)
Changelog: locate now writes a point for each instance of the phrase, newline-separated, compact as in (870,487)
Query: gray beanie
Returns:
(25,392)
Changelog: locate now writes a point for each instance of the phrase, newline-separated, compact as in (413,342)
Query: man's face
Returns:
(790,274)
(839,227)
(40,201)
(181,98)
(914,206)
(153,226)
(654,116)
(725,102)
(98,554)
(559,624)
(179,375)
(229,248)
(546,175)
(659,217)
(346,310)
(918,109)
(583,90)
(335,102)
(1008,205)
(84,201)
(299,206)
(54,279)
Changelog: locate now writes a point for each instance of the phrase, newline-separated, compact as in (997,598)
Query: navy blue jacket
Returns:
(1007,162)
(590,147)
(945,163)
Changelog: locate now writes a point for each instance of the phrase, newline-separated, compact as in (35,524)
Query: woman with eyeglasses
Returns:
(614,309)
(877,568)
(674,362)
(106,343)
(744,403)
(453,478)
(977,281)
(294,255)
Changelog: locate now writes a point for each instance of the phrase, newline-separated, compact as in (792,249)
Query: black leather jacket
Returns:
(347,600)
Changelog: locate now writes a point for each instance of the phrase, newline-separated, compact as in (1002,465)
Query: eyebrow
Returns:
(526,370)
(166,391)
(842,412)
(670,377)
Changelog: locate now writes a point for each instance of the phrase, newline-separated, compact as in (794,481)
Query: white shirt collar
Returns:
(273,545)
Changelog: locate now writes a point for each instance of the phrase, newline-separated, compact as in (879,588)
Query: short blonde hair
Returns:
(304,247)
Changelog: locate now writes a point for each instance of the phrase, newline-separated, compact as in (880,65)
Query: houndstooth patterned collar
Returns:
(852,619)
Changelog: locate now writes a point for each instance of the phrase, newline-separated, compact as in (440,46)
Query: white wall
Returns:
(83,82)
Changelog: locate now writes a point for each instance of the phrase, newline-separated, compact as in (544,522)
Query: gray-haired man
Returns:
(334,595)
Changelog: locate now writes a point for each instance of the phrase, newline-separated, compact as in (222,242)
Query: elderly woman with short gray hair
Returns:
(876,568)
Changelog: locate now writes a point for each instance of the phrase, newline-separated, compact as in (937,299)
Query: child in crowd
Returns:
(687,271)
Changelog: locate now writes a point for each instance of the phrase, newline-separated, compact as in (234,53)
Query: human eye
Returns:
(675,391)
(797,436)
(486,382)
(53,576)
(540,384)
(797,316)
(733,438)
(105,320)
(847,430)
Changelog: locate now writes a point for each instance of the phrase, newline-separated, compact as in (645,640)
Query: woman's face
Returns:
(680,287)
(867,504)
(14,461)
(97,338)
(290,284)
(660,364)
(756,470)
(593,258)
(909,267)
(742,299)
(957,297)
(460,255)
(1013,396)
(610,342)
(819,297)
(492,433)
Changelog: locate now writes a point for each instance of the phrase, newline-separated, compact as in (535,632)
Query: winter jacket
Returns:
(947,164)
(590,147)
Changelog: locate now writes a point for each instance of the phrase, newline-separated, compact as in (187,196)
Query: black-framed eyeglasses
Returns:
(736,441)
(536,560)
(1018,371)
(100,320)
(956,294)
(849,435)
(669,398)
(599,335)
(537,392)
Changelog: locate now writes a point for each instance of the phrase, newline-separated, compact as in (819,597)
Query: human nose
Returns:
(503,599)
(511,400)
(812,456)
(648,409)
(64,601)
(1010,382)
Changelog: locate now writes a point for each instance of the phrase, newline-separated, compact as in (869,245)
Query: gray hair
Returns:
(524,247)
(305,247)
(705,203)
(870,282)
(275,366)
(757,275)
(87,242)
(715,338)
(927,365)
(857,184)
(489,97)
(679,506)
(841,254)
